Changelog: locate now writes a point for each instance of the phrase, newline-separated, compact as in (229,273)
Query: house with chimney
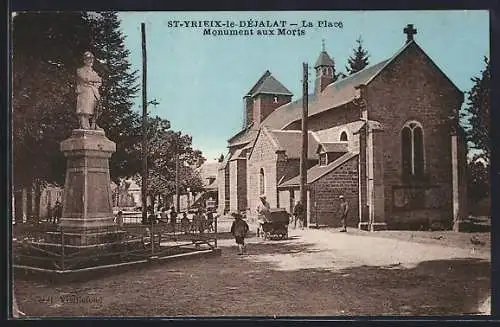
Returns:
(386,138)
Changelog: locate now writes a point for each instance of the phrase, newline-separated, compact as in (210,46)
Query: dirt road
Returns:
(315,272)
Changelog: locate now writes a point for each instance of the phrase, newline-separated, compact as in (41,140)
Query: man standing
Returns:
(344,210)
(298,213)
(57,212)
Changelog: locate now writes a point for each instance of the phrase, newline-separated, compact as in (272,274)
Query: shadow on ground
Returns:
(236,285)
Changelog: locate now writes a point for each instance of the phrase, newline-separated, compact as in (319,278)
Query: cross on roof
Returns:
(323,44)
(409,31)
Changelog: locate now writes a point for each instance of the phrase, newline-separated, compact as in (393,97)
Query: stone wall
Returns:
(264,104)
(412,88)
(325,192)
(262,157)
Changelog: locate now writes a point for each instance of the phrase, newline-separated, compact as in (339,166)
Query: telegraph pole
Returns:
(303,155)
(144,127)
(177,191)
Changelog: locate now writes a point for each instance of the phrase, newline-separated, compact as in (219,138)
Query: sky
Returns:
(200,80)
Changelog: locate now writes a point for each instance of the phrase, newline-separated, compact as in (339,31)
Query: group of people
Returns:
(299,213)
(239,228)
(203,219)
(56,213)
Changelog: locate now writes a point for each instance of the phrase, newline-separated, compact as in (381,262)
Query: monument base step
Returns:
(85,237)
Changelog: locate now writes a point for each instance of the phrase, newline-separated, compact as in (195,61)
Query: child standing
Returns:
(239,229)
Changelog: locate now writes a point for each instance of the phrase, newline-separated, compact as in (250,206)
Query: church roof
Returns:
(291,142)
(332,134)
(267,84)
(324,60)
(244,136)
(208,169)
(335,95)
(333,146)
(316,172)
(238,154)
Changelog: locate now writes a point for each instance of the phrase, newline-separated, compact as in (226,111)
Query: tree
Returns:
(121,123)
(477,114)
(44,47)
(476,121)
(44,50)
(47,49)
(478,181)
(359,59)
(165,147)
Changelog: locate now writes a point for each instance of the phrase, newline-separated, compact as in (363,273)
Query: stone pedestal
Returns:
(87,217)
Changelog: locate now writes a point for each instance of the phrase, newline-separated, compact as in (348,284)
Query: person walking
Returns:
(58,212)
(119,218)
(298,212)
(344,210)
(173,218)
(239,229)
(163,215)
(185,223)
(263,211)
(210,220)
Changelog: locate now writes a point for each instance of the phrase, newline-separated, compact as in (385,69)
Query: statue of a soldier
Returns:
(88,103)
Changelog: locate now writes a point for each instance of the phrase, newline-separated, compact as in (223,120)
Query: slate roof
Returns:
(291,143)
(324,60)
(238,154)
(331,135)
(286,114)
(244,138)
(317,171)
(333,146)
(267,84)
(334,95)
(208,169)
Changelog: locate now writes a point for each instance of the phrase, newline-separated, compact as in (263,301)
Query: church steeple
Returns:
(325,70)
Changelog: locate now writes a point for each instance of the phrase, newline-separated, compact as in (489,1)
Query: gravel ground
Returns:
(315,272)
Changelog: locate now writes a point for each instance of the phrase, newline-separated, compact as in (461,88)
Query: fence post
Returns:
(215,230)
(62,248)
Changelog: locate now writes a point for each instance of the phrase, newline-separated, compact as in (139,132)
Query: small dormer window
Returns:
(275,100)
(322,159)
(343,137)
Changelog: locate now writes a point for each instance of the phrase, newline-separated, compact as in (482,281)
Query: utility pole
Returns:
(144,183)
(177,194)
(303,155)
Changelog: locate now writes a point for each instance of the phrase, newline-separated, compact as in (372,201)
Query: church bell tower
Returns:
(325,70)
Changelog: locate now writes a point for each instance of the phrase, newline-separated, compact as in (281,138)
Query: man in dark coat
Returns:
(298,214)
(239,229)
(344,210)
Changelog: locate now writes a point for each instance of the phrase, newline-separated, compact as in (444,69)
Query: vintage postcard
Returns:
(251,164)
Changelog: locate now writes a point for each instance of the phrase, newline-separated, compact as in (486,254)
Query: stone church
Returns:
(386,138)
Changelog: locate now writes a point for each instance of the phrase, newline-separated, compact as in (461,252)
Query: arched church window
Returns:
(412,149)
(262,187)
(343,137)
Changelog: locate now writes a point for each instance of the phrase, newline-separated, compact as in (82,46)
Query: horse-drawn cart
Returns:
(274,224)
